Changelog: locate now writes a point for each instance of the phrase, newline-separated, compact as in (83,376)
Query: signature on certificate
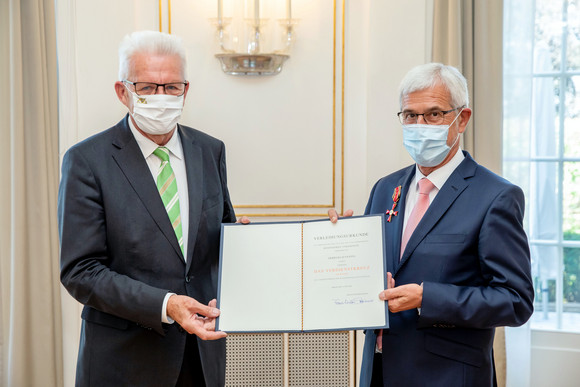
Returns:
(353,300)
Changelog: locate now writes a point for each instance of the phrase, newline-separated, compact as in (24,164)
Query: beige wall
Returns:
(268,118)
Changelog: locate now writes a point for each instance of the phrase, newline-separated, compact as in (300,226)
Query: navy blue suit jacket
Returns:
(120,256)
(471,254)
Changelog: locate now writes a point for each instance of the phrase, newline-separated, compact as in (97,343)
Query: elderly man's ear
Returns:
(122,93)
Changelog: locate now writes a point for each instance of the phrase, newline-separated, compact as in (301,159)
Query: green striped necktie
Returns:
(167,186)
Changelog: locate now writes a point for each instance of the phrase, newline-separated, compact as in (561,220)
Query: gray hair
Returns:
(149,42)
(429,75)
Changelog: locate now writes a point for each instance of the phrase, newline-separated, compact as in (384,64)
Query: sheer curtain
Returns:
(468,34)
(30,334)
(518,87)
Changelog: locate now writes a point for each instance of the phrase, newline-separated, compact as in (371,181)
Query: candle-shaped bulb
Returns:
(257,12)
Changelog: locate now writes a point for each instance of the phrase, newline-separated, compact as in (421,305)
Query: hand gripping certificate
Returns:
(303,276)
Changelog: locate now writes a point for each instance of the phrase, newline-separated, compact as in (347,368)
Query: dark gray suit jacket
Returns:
(120,256)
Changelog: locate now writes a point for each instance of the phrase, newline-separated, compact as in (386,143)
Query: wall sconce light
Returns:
(242,40)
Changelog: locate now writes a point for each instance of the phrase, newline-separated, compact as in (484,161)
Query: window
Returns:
(541,152)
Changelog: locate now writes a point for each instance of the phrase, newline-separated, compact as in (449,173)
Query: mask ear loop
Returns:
(458,134)
(132,96)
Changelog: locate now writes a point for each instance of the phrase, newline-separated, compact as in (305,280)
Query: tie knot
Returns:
(425,186)
(163,154)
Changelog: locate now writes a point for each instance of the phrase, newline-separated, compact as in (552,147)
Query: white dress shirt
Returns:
(177,161)
(438,177)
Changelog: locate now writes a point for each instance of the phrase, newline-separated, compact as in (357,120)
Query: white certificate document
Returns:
(303,276)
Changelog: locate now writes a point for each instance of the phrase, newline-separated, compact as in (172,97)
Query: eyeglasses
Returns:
(432,118)
(149,88)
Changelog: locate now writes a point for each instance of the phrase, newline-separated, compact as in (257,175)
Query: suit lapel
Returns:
(130,160)
(194,170)
(452,188)
(397,229)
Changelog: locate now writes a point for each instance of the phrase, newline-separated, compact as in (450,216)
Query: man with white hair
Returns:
(140,208)
(457,254)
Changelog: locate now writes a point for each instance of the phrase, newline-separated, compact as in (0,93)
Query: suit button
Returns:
(187,279)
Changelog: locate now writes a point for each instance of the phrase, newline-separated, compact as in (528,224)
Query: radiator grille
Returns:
(314,360)
(255,360)
(319,359)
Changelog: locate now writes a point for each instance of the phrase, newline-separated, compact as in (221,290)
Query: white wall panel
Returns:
(555,359)
(274,126)
(397,43)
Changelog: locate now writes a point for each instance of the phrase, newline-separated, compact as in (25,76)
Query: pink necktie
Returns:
(425,186)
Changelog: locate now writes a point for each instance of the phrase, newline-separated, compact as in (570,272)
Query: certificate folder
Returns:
(303,276)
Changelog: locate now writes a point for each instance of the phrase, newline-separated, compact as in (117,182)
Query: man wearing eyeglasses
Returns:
(457,254)
(140,209)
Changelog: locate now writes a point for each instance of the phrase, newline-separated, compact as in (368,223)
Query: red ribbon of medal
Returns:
(396,197)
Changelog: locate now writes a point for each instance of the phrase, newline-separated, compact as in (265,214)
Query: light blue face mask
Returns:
(427,144)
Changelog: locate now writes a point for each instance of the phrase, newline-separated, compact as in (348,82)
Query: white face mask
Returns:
(427,144)
(158,113)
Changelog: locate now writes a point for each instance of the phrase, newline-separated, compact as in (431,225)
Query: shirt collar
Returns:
(147,146)
(439,176)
